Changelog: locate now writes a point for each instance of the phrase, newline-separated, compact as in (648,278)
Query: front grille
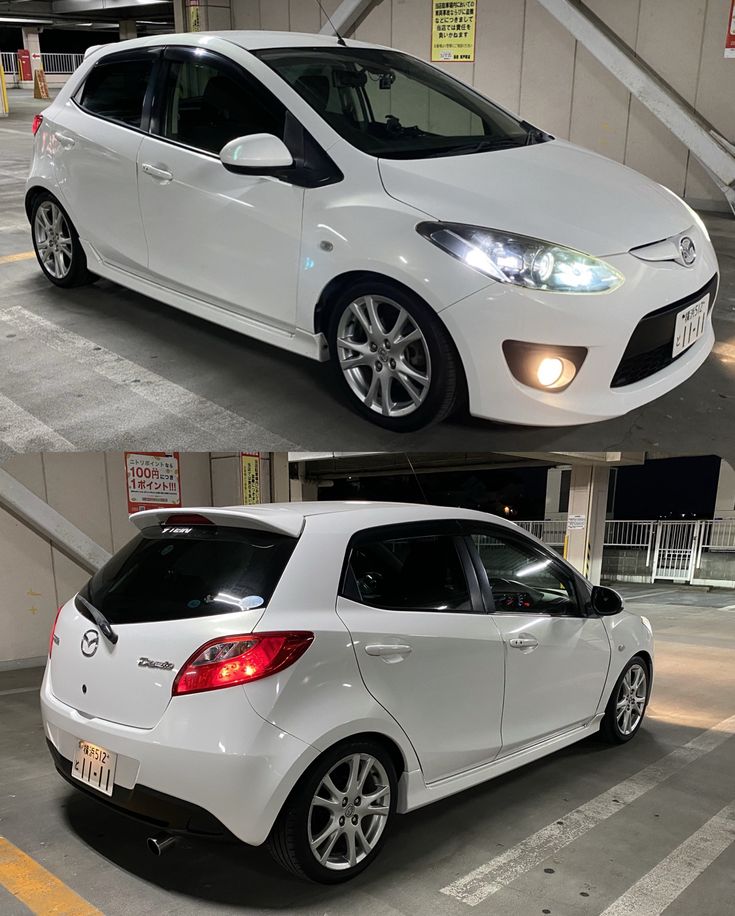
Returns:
(649,348)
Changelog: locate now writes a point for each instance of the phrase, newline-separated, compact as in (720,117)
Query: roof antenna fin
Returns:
(340,39)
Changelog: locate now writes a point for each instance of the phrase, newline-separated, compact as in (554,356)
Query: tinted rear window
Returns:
(117,90)
(179,573)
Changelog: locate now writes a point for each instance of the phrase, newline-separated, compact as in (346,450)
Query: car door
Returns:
(557,656)
(99,134)
(227,238)
(426,649)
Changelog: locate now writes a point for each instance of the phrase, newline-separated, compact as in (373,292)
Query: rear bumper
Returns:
(210,763)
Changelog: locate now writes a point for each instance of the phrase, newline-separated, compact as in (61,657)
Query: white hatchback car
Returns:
(300,673)
(353,202)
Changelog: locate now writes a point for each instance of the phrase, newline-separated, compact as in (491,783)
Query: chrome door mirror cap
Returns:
(256,154)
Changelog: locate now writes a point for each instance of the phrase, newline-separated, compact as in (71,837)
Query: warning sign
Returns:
(152,480)
(453,30)
(250,467)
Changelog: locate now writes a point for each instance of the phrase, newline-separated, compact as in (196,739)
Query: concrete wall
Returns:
(528,62)
(89,490)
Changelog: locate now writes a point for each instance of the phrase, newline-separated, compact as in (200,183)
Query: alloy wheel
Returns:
(53,239)
(631,701)
(384,356)
(349,811)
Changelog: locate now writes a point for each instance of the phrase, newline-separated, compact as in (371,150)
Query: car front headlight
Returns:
(521,260)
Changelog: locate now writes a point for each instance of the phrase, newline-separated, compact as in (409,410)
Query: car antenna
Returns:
(340,39)
(418,482)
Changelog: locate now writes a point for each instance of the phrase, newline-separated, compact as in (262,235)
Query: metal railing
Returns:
(54,63)
(10,62)
(679,550)
(60,63)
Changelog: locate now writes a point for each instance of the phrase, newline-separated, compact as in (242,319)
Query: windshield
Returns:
(188,571)
(391,105)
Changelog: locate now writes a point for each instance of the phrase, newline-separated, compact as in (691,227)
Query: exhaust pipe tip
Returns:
(160,843)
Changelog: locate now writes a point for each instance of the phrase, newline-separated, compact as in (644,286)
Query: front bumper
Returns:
(209,766)
(602,323)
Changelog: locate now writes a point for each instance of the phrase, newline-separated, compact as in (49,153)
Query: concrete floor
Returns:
(102,855)
(164,379)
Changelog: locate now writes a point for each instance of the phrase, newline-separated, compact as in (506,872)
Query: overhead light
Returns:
(26,20)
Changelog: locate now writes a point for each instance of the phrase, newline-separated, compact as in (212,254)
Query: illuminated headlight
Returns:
(521,260)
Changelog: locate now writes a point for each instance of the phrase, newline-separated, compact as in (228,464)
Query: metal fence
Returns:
(53,63)
(696,552)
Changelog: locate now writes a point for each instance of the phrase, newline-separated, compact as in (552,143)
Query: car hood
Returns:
(553,191)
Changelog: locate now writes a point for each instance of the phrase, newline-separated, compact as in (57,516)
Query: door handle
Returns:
(523,642)
(66,141)
(387,651)
(159,174)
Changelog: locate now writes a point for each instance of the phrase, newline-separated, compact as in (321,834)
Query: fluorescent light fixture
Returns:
(26,20)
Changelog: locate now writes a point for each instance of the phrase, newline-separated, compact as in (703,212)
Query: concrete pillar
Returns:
(32,41)
(303,489)
(128,29)
(725,500)
(553,494)
(227,477)
(586,519)
(202,15)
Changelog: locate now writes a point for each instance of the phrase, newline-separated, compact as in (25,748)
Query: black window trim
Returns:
(401,530)
(148,99)
(581,592)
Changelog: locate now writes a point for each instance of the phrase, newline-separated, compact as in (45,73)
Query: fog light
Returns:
(548,367)
(549,371)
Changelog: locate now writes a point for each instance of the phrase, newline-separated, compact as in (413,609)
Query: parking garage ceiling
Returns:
(89,14)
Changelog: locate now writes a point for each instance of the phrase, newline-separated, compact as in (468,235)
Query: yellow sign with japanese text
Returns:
(250,466)
(453,30)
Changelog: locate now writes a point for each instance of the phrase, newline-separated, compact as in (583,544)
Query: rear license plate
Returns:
(690,325)
(95,767)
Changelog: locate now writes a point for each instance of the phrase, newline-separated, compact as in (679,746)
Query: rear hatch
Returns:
(181,581)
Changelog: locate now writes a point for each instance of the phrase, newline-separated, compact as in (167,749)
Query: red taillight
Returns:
(53,630)
(37,122)
(232,660)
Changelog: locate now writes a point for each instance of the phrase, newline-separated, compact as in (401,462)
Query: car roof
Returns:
(248,40)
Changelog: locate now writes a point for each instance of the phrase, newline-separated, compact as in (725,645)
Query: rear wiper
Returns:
(99,618)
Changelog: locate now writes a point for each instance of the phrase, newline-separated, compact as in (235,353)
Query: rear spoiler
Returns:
(90,50)
(278,521)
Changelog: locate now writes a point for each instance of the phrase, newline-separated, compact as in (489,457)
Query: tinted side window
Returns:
(117,90)
(205,107)
(178,573)
(411,574)
(524,578)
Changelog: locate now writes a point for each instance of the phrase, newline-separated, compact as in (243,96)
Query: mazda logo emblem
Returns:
(90,642)
(688,251)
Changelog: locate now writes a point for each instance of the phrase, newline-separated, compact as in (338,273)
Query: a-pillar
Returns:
(586,520)
(32,43)
(725,501)
(128,29)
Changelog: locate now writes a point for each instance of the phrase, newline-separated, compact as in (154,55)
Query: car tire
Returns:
(302,821)
(56,243)
(394,395)
(623,715)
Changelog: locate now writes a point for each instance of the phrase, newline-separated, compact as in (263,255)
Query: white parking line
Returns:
(503,869)
(220,423)
(668,591)
(663,884)
(22,432)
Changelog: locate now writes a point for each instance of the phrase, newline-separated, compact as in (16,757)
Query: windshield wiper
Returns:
(480,146)
(99,618)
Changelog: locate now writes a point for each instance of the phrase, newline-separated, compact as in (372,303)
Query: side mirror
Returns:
(606,601)
(256,154)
